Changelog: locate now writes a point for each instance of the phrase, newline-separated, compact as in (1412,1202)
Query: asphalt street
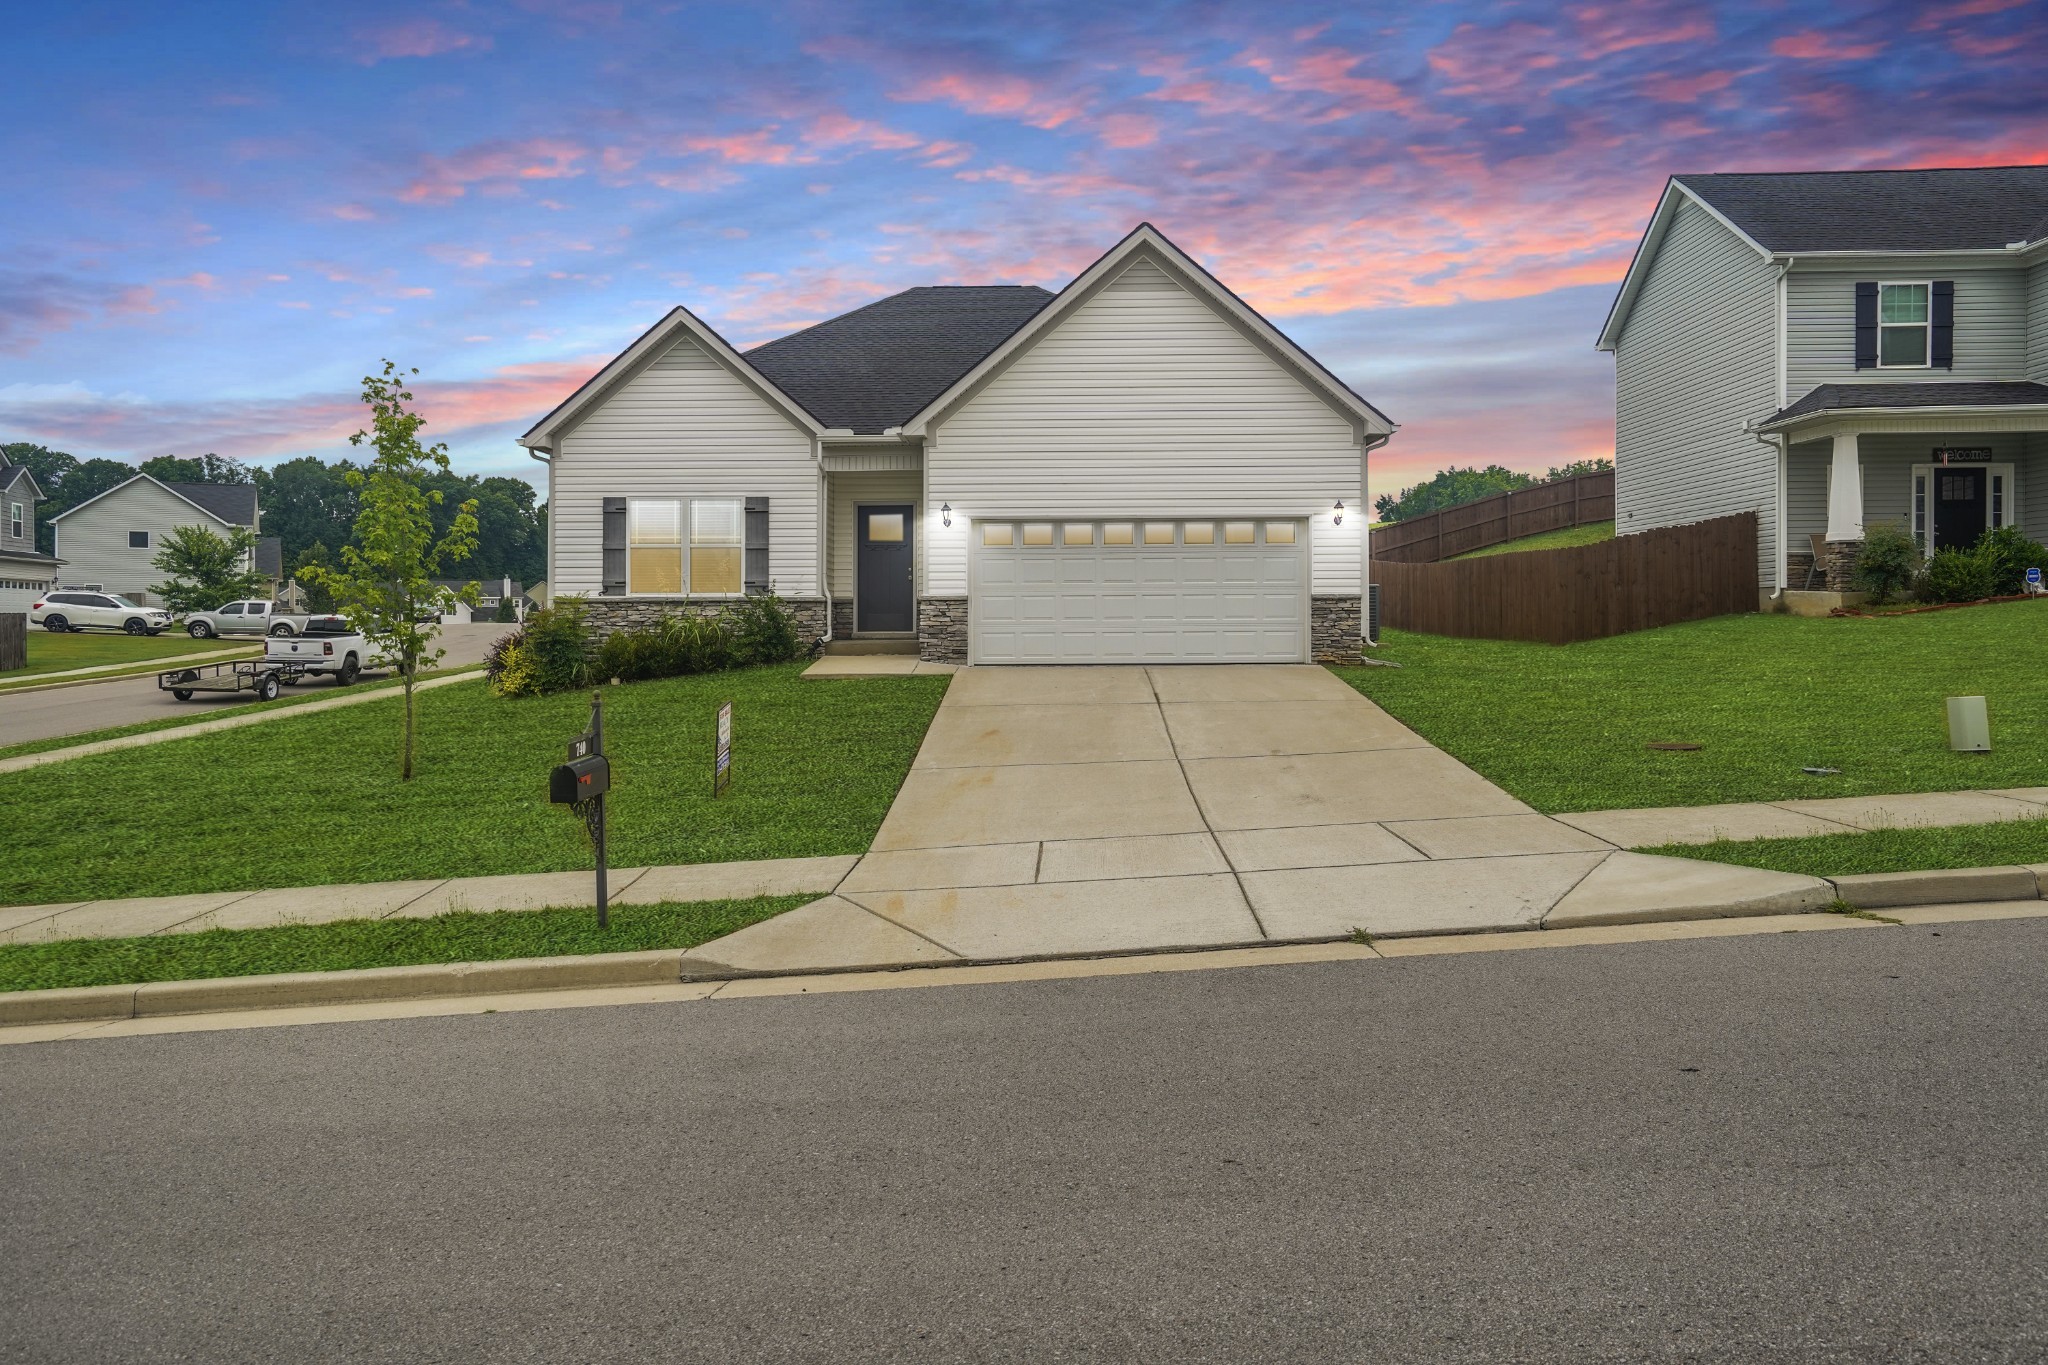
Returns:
(62,711)
(1799,1147)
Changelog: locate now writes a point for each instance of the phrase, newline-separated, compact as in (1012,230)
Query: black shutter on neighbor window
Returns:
(1866,324)
(614,578)
(755,568)
(1943,340)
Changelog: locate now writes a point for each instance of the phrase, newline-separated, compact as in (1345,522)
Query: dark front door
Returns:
(881,569)
(1959,506)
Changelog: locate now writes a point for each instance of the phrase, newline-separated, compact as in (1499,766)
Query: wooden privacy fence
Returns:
(13,639)
(1502,517)
(1588,592)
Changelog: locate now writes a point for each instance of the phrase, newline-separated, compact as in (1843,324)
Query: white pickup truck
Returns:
(325,647)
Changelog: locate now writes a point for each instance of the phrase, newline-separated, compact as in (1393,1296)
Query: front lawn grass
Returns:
(347,945)
(49,653)
(316,799)
(1563,727)
(2005,844)
(1591,533)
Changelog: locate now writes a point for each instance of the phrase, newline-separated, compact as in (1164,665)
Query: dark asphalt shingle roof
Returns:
(1849,397)
(1931,210)
(878,366)
(234,503)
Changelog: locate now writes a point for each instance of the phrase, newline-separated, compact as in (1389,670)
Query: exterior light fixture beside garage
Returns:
(1337,513)
(945,512)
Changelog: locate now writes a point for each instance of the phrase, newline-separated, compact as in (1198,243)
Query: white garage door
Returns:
(1224,591)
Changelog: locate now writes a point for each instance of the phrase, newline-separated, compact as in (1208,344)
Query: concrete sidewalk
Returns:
(1067,811)
(1796,819)
(146,915)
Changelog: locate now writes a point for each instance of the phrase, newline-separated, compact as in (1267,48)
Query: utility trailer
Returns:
(265,677)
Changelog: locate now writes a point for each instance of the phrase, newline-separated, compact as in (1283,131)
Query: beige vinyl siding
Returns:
(1697,360)
(1820,338)
(2037,323)
(847,492)
(683,426)
(1144,401)
(93,540)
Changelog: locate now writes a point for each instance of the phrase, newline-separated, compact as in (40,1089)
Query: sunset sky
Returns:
(220,216)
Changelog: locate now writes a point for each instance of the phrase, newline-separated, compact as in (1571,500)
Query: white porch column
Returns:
(1845,491)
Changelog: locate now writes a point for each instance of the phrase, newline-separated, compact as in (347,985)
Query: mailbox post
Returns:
(581,783)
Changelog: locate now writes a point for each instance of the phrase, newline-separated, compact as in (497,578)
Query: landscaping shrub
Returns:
(551,654)
(1889,563)
(1959,575)
(2011,554)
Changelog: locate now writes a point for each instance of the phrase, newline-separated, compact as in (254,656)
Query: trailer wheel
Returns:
(182,693)
(268,688)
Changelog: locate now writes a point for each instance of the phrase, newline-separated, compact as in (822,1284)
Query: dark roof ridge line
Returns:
(1875,170)
(877,303)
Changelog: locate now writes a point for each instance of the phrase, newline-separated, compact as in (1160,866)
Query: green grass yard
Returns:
(48,653)
(1564,727)
(1592,533)
(346,945)
(316,799)
(2006,844)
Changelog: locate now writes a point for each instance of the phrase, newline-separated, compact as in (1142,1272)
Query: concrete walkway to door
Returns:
(1068,811)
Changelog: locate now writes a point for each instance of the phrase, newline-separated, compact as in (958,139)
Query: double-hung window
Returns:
(14,520)
(1904,321)
(686,546)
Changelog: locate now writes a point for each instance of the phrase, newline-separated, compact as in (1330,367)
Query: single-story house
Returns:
(1139,468)
(113,539)
(492,593)
(1834,349)
(26,573)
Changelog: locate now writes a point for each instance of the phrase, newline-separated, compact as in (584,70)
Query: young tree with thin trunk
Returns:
(385,583)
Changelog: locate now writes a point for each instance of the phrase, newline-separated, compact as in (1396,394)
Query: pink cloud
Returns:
(414,38)
(503,164)
(756,148)
(352,213)
(1814,46)
(1127,130)
(1680,88)
(995,93)
(1331,71)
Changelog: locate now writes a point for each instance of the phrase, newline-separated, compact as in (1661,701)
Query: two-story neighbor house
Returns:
(111,540)
(1834,349)
(1139,468)
(25,572)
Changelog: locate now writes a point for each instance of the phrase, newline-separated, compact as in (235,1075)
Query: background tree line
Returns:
(309,506)
(1454,486)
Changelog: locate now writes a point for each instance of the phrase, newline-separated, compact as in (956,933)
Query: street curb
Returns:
(668,966)
(1877,890)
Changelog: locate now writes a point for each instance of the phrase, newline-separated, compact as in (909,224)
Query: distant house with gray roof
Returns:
(110,540)
(1835,349)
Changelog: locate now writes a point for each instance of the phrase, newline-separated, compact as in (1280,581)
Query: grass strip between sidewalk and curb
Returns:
(348,945)
(1935,848)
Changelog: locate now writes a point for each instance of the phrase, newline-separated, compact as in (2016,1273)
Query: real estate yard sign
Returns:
(721,769)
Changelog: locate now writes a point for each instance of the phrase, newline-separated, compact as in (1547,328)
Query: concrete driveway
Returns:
(1063,811)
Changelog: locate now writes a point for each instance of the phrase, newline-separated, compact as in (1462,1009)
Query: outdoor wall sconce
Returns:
(1337,515)
(946,513)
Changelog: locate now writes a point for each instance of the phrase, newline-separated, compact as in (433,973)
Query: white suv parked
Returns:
(72,610)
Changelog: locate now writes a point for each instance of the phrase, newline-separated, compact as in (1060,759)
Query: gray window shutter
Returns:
(1942,339)
(755,569)
(1866,324)
(614,579)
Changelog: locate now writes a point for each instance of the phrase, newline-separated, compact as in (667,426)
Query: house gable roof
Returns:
(12,474)
(1148,241)
(652,342)
(232,504)
(1804,213)
(1978,208)
(879,366)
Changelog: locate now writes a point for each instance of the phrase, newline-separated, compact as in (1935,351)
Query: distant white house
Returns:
(111,540)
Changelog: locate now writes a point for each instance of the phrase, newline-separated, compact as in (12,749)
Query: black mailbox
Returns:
(580,779)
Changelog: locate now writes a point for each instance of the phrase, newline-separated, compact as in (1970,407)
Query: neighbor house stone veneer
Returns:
(1336,629)
(942,630)
(608,615)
